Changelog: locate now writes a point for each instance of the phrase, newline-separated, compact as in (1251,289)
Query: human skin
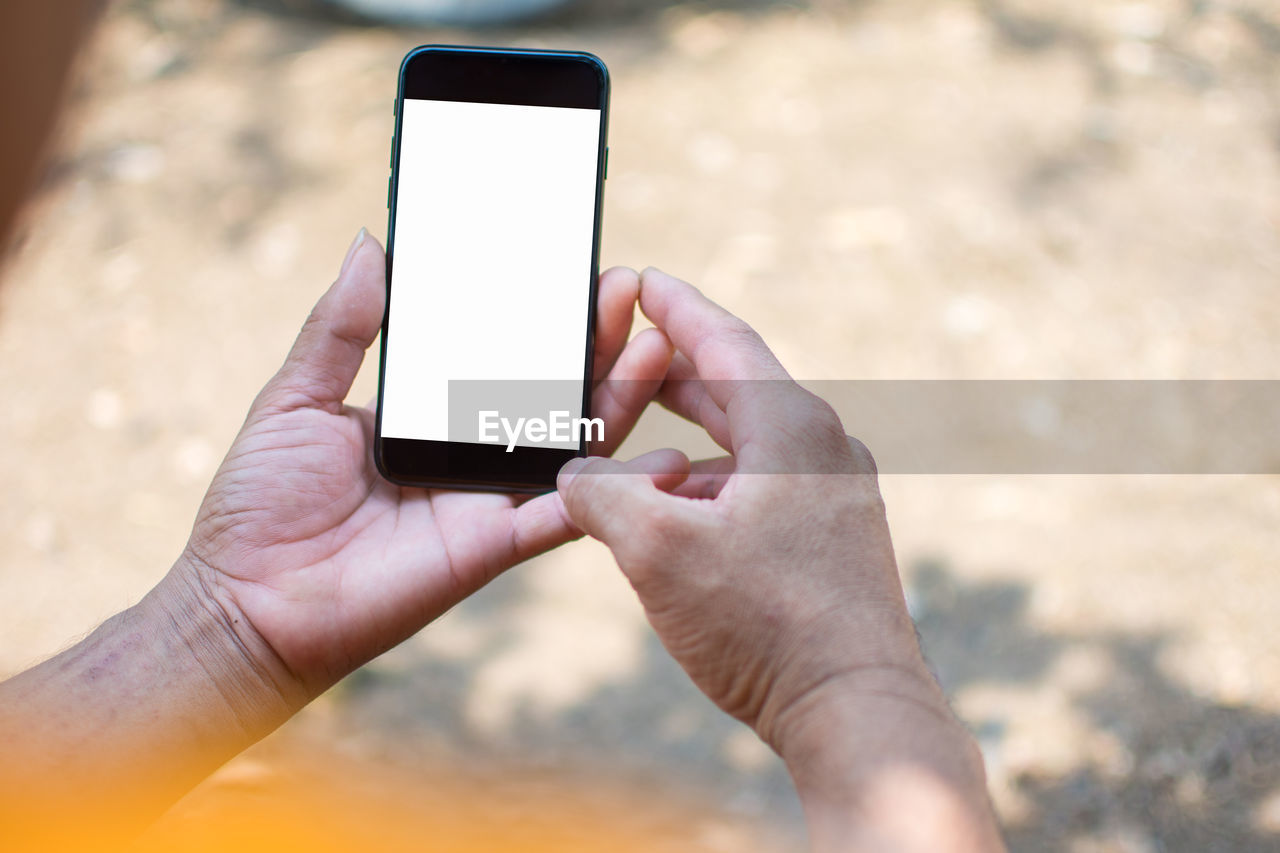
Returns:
(775,586)
(769,575)
(302,565)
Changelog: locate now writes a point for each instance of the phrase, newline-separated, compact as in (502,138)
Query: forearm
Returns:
(100,739)
(880,763)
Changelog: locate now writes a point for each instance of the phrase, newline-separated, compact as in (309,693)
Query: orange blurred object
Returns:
(302,793)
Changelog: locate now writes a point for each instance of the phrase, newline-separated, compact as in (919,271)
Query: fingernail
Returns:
(351,253)
(569,470)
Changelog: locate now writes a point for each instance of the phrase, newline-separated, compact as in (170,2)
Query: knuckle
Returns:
(863,461)
(315,322)
(647,532)
(816,423)
(817,414)
(658,542)
(579,497)
(660,527)
(736,334)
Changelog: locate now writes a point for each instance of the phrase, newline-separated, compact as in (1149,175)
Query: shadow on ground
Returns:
(650,725)
(1197,774)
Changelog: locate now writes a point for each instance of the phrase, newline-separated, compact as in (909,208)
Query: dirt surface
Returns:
(903,189)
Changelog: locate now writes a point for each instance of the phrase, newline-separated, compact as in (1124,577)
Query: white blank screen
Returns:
(492,267)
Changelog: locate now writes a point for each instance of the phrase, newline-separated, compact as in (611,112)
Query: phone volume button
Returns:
(388,193)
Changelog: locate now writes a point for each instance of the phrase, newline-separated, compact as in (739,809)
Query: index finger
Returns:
(740,373)
(615,308)
(721,346)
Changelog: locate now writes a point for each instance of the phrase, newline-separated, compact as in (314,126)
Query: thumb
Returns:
(622,502)
(327,354)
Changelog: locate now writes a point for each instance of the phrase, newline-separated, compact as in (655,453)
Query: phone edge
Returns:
(606,91)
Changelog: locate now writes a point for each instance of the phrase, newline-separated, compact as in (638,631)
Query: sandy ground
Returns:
(909,189)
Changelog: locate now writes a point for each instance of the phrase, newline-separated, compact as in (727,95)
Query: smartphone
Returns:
(497,179)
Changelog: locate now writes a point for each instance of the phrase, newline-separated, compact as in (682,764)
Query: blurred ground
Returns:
(981,189)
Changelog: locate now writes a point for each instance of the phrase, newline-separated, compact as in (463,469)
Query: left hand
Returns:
(315,564)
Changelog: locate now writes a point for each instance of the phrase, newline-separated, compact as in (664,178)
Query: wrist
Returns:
(831,656)
(878,759)
(130,718)
(245,678)
(894,704)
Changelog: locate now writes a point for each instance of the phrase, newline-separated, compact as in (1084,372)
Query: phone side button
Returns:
(388,193)
(606,163)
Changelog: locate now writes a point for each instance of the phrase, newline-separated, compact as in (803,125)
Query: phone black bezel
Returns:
(498,76)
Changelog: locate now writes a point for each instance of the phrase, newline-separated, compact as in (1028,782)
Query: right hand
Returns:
(769,574)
